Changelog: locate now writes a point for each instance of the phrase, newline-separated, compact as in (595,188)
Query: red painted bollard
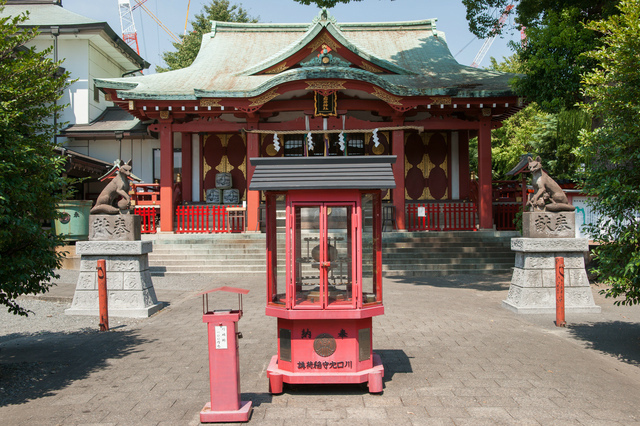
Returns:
(560,321)
(102,295)
(224,363)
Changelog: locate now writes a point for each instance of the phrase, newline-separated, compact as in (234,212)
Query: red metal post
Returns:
(560,322)
(102,295)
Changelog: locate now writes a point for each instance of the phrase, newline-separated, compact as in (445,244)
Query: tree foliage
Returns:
(553,136)
(552,60)
(30,172)
(612,151)
(483,15)
(324,3)
(187,49)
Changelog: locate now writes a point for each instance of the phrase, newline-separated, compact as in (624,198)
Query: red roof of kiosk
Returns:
(227,289)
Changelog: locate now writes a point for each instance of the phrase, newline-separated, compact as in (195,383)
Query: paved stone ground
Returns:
(452,356)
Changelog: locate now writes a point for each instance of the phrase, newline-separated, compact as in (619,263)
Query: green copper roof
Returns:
(47,14)
(414,54)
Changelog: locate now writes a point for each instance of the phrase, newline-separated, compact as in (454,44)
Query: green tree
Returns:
(556,140)
(509,64)
(612,151)
(483,15)
(189,46)
(513,139)
(553,136)
(552,60)
(30,172)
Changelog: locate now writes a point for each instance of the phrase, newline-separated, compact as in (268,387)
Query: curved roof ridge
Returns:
(328,22)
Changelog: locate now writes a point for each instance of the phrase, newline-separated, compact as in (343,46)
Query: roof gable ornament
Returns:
(325,59)
(324,18)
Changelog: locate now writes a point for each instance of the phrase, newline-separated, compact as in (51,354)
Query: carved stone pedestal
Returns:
(533,283)
(129,285)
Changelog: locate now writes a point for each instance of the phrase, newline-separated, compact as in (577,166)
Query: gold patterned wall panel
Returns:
(225,153)
(426,166)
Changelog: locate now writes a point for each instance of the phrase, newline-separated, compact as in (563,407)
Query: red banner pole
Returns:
(560,321)
(102,295)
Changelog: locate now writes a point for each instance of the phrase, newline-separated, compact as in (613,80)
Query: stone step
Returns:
(212,262)
(430,244)
(439,266)
(209,252)
(392,255)
(159,270)
(444,251)
(442,272)
(404,254)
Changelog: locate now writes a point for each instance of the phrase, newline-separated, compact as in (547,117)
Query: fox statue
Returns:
(547,194)
(118,187)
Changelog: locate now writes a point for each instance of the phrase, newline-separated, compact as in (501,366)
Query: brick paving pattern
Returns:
(452,356)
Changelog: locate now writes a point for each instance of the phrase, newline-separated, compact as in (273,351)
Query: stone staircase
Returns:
(403,253)
(207,253)
(421,254)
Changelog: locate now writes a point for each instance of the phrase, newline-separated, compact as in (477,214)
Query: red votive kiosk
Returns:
(224,362)
(324,265)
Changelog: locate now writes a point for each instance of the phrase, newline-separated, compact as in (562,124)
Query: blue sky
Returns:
(172,13)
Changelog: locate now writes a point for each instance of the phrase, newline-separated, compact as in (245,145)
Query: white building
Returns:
(90,126)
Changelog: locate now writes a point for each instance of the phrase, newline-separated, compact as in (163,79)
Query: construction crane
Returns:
(139,3)
(489,41)
(128,25)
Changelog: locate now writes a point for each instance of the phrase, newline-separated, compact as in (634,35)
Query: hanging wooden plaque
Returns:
(325,105)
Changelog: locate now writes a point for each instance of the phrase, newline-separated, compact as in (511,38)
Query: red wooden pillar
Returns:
(187,167)
(397,149)
(485,210)
(166,176)
(463,155)
(253,197)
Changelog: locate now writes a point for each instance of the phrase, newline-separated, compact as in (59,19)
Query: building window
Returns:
(294,145)
(96,93)
(355,144)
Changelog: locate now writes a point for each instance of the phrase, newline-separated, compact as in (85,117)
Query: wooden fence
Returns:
(148,219)
(210,219)
(441,217)
(504,215)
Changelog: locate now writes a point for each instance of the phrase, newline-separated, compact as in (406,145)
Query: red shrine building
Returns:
(323,89)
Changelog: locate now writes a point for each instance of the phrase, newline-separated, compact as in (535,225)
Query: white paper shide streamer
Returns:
(341,141)
(276,142)
(376,142)
(309,141)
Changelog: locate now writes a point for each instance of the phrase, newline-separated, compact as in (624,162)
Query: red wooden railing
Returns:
(459,217)
(148,221)
(145,194)
(441,217)
(504,215)
(209,219)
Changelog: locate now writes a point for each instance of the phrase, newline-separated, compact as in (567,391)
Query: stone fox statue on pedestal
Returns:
(547,194)
(118,187)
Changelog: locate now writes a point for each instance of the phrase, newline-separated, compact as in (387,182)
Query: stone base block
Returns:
(543,300)
(122,313)
(549,224)
(533,281)
(114,227)
(129,286)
